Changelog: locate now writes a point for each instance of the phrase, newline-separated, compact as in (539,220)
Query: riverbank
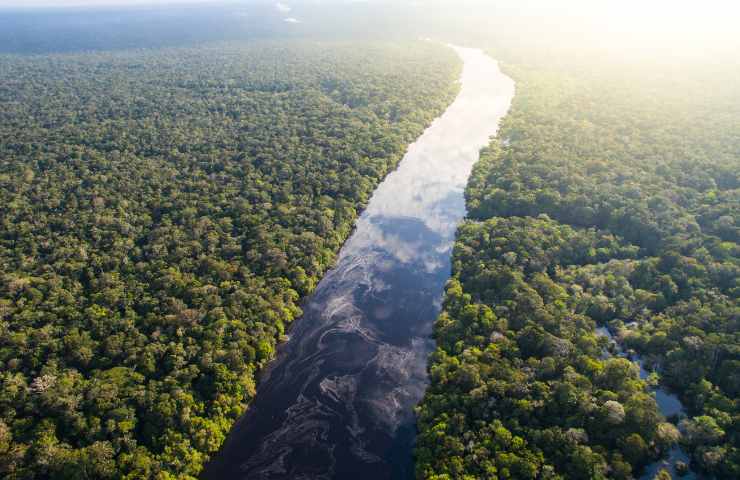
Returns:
(338,402)
(608,202)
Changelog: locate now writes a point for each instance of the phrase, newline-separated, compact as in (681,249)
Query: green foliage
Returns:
(609,202)
(163,214)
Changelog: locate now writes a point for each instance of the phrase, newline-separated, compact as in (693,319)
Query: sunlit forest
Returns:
(164,212)
(172,196)
(608,200)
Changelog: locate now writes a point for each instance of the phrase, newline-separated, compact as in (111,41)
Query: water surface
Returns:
(338,401)
(670,406)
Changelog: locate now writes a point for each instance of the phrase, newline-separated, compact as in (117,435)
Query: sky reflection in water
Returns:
(338,402)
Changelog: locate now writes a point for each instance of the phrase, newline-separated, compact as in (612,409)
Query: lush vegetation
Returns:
(612,199)
(163,213)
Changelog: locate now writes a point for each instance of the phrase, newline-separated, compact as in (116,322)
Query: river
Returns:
(338,400)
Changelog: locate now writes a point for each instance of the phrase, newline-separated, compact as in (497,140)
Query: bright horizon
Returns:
(616,15)
(662,28)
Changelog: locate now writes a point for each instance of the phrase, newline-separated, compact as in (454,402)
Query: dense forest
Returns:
(164,212)
(611,199)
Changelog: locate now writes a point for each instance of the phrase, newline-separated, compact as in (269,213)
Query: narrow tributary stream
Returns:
(670,406)
(338,401)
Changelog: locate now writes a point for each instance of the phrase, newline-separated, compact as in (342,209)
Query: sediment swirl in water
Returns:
(338,401)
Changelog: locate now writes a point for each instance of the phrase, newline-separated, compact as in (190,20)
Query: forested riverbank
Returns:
(339,400)
(164,212)
(610,198)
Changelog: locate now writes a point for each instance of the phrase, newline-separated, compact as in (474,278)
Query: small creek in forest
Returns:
(670,406)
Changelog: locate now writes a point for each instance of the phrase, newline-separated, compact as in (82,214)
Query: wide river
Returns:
(338,401)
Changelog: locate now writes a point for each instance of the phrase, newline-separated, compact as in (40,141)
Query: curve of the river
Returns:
(338,401)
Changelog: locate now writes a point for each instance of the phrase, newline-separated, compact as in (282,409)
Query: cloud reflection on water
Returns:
(343,389)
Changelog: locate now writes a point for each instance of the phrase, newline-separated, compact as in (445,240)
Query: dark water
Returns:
(338,402)
(670,406)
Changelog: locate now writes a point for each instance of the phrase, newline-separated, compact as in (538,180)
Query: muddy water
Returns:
(338,401)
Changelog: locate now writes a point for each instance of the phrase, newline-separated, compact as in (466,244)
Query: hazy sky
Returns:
(655,10)
(629,19)
(77,3)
